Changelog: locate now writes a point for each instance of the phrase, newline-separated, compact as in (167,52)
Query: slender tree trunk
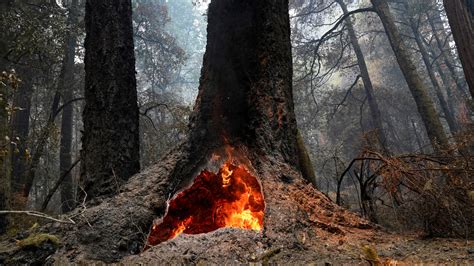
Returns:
(66,82)
(453,95)
(441,43)
(369,89)
(461,19)
(20,128)
(307,169)
(453,126)
(425,105)
(110,143)
(41,144)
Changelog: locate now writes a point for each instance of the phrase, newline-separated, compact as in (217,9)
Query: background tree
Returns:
(461,18)
(425,105)
(67,85)
(110,143)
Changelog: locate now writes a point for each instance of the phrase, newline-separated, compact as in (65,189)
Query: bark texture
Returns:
(110,143)
(418,89)
(461,19)
(245,95)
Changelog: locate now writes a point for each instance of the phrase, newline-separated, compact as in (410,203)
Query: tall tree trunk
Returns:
(110,143)
(20,128)
(461,19)
(452,123)
(245,94)
(40,145)
(440,36)
(66,82)
(425,105)
(453,95)
(364,72)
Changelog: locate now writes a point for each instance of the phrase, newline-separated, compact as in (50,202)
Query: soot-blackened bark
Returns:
(245,93)
(461,19)
(110,143)
(418,89)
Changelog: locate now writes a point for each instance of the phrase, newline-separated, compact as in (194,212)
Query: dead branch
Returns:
(38,214)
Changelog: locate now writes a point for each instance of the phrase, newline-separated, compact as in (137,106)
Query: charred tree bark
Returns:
(425,105)
(245,93)
(461,19)
(110,143)
(369,88)
(67,84)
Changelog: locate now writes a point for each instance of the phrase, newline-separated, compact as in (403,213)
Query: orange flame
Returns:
(230,198)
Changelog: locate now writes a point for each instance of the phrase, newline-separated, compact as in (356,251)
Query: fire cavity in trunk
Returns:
(230,198)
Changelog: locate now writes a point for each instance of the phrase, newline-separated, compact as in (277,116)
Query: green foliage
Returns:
(32,30)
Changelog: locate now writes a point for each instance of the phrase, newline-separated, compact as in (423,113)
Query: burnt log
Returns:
(243,114)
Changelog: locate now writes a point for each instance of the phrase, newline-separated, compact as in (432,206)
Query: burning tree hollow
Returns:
(238,167)
(232,197)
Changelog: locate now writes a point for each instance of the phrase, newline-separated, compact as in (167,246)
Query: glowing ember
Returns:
(230,198)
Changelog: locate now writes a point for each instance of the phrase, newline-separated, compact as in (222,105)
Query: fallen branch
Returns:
(38,214)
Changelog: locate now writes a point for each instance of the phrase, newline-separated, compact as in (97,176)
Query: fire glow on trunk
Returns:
(230,198)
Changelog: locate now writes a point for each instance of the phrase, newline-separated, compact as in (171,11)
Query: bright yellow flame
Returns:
(226,173)
(244,219)
(181,227)
(232,197)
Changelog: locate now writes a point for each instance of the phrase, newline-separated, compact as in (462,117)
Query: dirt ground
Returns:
(391,249)
(301,226)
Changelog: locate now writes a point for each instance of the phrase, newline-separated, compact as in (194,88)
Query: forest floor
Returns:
(385,248)
(248,247)
(301,226)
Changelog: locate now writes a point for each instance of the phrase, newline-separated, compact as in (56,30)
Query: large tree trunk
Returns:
(461,19)
(425,105)
(67,84)
(110,143)
(243,114)
(369,88)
